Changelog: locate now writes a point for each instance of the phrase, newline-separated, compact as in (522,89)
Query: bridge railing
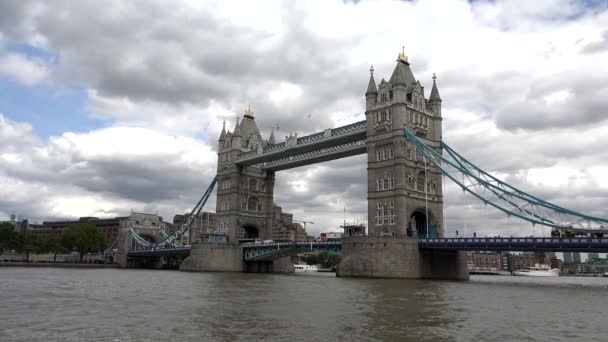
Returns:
(517,240)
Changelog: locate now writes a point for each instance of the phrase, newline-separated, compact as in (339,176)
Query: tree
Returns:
(7,236)
(83,238)
(325,259)
(53,245)
(32,244)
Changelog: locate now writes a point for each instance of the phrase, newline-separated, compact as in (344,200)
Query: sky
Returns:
(110,108)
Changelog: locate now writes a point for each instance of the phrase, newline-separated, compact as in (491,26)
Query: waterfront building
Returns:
(481,259)
(576,257)
(109,227)
(567,257)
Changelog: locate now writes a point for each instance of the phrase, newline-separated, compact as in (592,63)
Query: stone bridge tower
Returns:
(244,194)
(404,193)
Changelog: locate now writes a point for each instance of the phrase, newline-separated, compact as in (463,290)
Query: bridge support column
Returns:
(397,257)
(449,265)
(214,257)
(282,265)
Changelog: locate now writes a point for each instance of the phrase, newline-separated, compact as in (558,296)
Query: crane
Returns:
(304,222)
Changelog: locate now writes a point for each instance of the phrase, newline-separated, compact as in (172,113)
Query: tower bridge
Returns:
(406,164)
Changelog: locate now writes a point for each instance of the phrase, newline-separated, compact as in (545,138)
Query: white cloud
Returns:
(25,70)
(524,88)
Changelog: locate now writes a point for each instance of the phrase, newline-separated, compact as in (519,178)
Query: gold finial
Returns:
(402,56)
(248,111)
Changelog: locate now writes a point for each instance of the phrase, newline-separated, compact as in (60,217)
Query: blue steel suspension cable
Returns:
(439,159)
(531,198)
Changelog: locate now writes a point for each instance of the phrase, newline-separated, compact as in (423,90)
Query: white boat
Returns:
(538,271)
(305,268)
(606,274)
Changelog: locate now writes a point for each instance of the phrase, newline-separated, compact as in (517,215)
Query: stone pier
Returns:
(398,257)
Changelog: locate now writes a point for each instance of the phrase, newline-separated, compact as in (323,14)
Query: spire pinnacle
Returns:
(371,70)
(271,139)
(249,112)
(434,92)
(402,55)
(223,134)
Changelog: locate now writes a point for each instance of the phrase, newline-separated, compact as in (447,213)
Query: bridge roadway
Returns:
(275,250)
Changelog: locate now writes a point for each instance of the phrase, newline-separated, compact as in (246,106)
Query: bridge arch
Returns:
(250,231)
(418,222)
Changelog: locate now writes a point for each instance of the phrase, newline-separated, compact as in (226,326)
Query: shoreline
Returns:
(55,264)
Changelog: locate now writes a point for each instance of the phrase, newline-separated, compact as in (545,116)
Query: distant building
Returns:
(485,260)
(567,257)
(204,223)
(353,229)
(591,256)
(283,227)
(576,257)
(109,227)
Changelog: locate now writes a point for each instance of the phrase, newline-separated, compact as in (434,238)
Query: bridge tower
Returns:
(404,192)
(244,193)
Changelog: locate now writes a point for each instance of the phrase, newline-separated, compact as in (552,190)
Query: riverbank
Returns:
(55,264)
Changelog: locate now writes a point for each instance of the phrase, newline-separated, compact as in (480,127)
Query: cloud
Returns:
(598,46)
(523,87)
(25,70)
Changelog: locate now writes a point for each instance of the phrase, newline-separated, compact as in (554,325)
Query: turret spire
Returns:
(237,128)
(434,92)
(223,134)
(271,140)
(371,86)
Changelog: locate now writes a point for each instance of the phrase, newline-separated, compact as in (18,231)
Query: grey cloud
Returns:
(596,47)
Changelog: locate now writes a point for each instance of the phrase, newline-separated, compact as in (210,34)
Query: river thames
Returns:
(56,304)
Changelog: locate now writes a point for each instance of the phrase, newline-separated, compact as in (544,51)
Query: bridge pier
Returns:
(214,257)
(398,257)
(281,265)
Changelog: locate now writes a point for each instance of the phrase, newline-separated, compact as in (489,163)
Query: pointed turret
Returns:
(371,86)
(371,95)
(402,75)
(223,134)
(237,129)
(271,140)
(435,99)
(434,92)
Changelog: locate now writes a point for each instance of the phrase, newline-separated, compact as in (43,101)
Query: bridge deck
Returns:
(540,244)
(267,251)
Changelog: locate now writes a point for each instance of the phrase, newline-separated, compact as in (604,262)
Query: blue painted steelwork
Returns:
(151,253)
(517,244)
(505,197)
(170,240)
(275,250)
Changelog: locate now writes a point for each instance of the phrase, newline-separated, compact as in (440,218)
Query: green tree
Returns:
(52,244)
(325,259)
(7,236)
(31,244)
(83,238)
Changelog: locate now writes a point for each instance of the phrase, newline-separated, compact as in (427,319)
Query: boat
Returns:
(606,274)
(305,268)
(538,271)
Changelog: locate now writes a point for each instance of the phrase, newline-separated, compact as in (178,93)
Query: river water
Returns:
(56,304)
